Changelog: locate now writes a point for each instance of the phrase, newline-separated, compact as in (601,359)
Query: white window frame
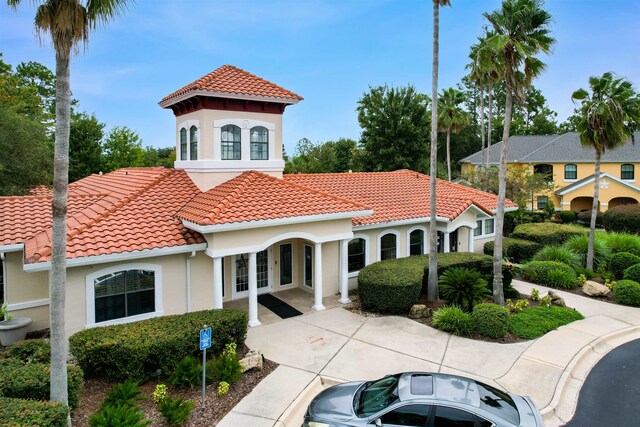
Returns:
(90,294)
(187,124)
(245,126)
(367,253)
(379,239)
(424,240)
(483,235)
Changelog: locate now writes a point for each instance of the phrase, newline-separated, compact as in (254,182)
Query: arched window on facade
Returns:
(259,143)
(193,141)
(388,246)
(230,142)
(183,144)
(416,242)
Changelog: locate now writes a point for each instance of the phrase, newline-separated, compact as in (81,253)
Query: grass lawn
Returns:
(533,322)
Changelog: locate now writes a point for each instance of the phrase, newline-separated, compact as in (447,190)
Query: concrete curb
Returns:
(295,411)
(565,399)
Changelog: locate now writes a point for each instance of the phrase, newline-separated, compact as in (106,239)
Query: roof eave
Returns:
(165,103)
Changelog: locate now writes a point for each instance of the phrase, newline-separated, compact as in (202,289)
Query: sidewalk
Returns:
(344,346)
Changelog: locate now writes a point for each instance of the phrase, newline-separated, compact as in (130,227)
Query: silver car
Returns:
(420,399)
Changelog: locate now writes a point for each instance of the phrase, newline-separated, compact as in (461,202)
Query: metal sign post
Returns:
(205,343)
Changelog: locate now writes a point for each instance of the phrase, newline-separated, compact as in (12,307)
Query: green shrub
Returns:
(580,244)
(31,381)
(627,292)
(176,411)
(561,279)
(558,253)
(453,320)
(119,416)
(547,233)
(624,218)
(539,272)
(462,287)
(520,304)
(632,273)
(588,274)
(227,367)
(516,250)
(136,350)
(30,351)
(585,218)
(623,242)
(534,322)
(619,262)
(223,388)
(567,217)
(187,373)
(126,393)
(23,412)
(490,320)
(391,286)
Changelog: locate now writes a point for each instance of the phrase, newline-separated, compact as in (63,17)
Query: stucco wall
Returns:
(23,287)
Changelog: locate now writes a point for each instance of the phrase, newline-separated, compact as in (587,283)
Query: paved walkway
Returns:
(344,346)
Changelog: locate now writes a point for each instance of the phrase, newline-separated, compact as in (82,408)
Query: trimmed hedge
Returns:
(516,250)
(31,381)
(24,412)
(393,285)
(547,233)
(567,217)
(585,218)
(533,322)
(627,292)
(480,262)
(491,320)
(538,272)
(453,320)
(621,261)
(136,350)
(624,218)
(30,351)
(632,273)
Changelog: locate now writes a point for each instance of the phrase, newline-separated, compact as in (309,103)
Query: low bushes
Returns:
(462,287)
(550,273)
(567,217)
(136,350)
(547,233)
(632,273)
(559,254)
(624,218)
(23,412)
(623,242)
(516,250)
(534,322)
(490,320)
(585,218)
(453,320)
(30,351)
(580,244)
(391,286)
(120,408)
(621,261)
(627,292)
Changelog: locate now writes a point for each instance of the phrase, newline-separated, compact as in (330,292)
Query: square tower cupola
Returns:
(229,122)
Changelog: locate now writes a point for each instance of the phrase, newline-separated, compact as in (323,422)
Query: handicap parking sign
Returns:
(205,338)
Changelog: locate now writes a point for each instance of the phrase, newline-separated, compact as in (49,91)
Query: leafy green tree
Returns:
(16,96)
(521,31)
(122,149)
(451,118)
(395,125)
(85,146)
(608,118)
(41,79)
(326,157)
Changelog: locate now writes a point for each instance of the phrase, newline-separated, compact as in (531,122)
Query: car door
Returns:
(446,416)
(412,415)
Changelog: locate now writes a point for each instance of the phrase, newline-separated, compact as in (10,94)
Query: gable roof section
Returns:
(398,196)
(588,180)
(230,81)
(256,197)
(564,148)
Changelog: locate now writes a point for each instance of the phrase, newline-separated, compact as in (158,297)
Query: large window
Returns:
(124,293)
(627,172)
(259,143)
(542,202)
(489,226)
(478,230)
(193,141)
(416,242)
(357,254)
(570,171)
(183,144)
(286,265)
(388,246)
(230,142)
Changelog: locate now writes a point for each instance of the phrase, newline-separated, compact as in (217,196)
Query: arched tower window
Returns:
(193,141)
(183,144)
(230,142)
(259,143)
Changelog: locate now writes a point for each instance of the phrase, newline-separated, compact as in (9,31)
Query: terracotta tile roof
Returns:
(255,196)
(399,195)
(234,80)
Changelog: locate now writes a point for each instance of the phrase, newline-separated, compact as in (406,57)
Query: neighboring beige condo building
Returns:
(225,224)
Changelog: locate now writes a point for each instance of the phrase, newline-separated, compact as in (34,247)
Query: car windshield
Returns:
(376,395)
(499,403)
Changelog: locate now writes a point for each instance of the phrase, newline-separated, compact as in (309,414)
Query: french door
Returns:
(241,274)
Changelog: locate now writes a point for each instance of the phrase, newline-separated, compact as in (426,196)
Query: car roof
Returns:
(442,387)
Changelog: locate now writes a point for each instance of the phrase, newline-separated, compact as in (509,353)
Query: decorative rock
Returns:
(419,311)
(557,299)
(595,289)
(253,359)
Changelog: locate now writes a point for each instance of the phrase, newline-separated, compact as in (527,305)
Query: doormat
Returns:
(278,306)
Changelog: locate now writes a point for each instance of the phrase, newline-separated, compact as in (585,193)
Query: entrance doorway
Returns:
(241,274)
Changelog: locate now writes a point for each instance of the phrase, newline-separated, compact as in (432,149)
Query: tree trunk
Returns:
(432,287)
(485,148)
(449,154)
(490,122)
(594,211)
(59,237)
(498,290)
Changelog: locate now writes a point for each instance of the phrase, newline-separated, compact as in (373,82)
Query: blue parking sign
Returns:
(205,338)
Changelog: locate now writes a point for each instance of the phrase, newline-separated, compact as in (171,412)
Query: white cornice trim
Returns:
(207,165)
(28,304)
(123,256)
(12,248)
(215,94)
(205,229)
(388,224)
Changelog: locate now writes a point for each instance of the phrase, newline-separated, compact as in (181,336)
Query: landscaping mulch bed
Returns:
(95,391)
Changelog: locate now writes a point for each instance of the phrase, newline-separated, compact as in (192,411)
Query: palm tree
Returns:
(521,30)
(432,287)
(607,120)
(451,118)
(68,22)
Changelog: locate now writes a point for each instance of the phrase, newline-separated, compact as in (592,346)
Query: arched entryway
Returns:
(583,203)
(619,201)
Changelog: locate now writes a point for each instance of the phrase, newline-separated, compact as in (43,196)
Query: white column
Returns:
(447,243)
(317,277)
(344,272)
(470,242)
(217,283)
(253,290)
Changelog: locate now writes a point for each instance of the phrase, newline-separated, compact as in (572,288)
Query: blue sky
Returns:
(327,51)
